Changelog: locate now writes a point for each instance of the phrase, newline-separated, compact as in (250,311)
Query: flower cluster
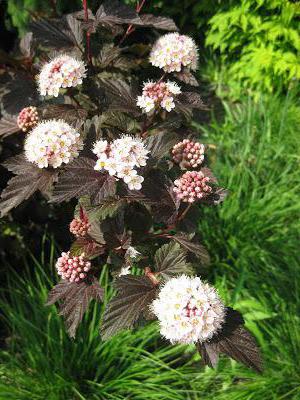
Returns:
(52,143)
(173,51)
(28,118)
(62,72)
(158,94)
(120,158)
(188,154)
(192,186)
(188,310)
(79,227)
(72,269)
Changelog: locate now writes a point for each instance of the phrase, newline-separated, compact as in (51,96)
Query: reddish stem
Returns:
(131,28)
(151,276)
(88,35)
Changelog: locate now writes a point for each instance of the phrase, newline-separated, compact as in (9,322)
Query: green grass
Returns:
(253,239)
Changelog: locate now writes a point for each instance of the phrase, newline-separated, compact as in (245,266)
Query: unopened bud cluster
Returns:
(173,51)
(188,154)
(120,158)
(158,94)
(79,227)
(72,269)
(62,72)
(28,118)
(192,186)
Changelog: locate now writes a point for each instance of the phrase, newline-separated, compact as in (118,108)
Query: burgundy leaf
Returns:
(116,12)
(21,187)
(119,96)
(54,33)
(8,126)
(21,92)
(170,260)
(160,144)
(74,299)
(187,77)
(19,165)
(108,189)
(67,112)
(79,178)
(235,341)
(164,23)
(196,248)
(89,247)
(192,100)
(135,294)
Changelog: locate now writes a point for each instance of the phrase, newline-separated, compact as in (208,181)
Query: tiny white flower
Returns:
(125,270)
(135,182)
(100,147)
(168,103)
(131,252)
(173,87)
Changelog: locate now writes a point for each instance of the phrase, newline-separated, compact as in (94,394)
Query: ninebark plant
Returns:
(108,122)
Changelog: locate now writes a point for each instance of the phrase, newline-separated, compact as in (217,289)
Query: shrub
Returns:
(111,142)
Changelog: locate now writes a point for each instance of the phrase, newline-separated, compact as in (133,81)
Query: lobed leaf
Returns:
(79,178)
(22,186)
(116,12)
(119,95)
(8,126)
(135,294)
(196,248)
(170,260)
(74,299)
(235,341)
(164,23)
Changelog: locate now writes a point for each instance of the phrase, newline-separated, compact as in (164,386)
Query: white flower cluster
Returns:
(158,94)
(120,158)
(173,51)
(52,143)
(188,310)
(62,72)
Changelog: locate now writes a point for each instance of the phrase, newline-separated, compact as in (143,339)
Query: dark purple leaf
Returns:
(19,165)
(196,248)
(22,186)
(74,299)
(160,144)
(192,100)
(187,77)
(88,246)
(78,179)
(8,126)
(158,192)
(21,92)
(55,33)
(235,341)
(170,260)
(135,294)
(119,96)
(108,189)
(67,112)
(164,23)
(116,12)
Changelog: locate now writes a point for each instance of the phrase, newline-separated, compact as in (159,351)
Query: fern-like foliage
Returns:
(260,41)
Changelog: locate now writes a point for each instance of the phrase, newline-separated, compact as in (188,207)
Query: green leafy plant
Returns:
(259,41)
